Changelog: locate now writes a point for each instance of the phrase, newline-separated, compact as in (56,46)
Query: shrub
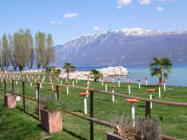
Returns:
(51,104)
(53,70)
(145,129)
(124,128)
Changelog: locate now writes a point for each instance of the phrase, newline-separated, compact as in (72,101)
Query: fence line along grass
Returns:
(173,119)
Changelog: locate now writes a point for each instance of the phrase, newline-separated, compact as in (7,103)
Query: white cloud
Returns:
(55,22)
(144,2)
(160,9)
(96,28)
(167,0)
(122,3)
(71,15)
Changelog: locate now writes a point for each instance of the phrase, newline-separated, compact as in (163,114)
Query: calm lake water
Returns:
(177,77)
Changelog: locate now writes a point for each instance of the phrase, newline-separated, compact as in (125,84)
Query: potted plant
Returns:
(145,129)
(51,117)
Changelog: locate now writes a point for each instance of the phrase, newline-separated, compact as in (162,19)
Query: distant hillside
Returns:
(125,47)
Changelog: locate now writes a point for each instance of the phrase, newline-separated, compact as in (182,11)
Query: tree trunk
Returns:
(95,80)
(67,74)
(161,77)
(20,68)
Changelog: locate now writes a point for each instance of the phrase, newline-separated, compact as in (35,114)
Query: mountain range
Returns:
(134,46)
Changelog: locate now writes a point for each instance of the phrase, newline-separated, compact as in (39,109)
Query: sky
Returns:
(68,19)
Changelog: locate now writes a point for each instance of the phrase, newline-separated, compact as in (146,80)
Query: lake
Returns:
(177,77)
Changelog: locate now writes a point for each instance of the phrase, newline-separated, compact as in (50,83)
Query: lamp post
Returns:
(164,85)
(151,91)
(129,88)
(139,83)
(146,81)
(113,92)
(159,90)
(67,90)
(133,109)
(102,82)
(85,96)
(119,83)
(73,83)
(106,87)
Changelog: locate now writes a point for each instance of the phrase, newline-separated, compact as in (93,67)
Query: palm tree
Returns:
(160,67)
(96,75)
(68,68)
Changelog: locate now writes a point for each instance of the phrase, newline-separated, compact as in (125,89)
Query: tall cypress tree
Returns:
(40,49)
(50,56)
(1,55)
(21,49)
(29,39)
(5,52)
(18,50)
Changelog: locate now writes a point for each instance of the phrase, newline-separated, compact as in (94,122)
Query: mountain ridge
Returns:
(125,46)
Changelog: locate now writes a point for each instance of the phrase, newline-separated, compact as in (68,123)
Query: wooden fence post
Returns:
(23,93)
(12,85)
(91,115)
(4,87)
(0,84)
(57,93)
(38,101)
(147,109)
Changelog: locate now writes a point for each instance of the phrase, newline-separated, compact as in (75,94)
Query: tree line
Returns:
(22,49)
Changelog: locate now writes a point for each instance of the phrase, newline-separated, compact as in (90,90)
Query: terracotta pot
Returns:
(112,136)
(51,121)
(10,101)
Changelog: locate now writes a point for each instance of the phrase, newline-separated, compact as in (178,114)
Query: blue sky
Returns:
(67,19)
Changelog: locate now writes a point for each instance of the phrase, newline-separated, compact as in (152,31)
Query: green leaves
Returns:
(19,50)
(96,74)
(51,103)
(160,67)
(5,52)
(69,68)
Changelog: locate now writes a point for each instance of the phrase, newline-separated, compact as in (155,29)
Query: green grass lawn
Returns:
(20,126)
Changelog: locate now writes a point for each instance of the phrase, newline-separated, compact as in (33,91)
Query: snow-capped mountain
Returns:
(124,46)
(139,32)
